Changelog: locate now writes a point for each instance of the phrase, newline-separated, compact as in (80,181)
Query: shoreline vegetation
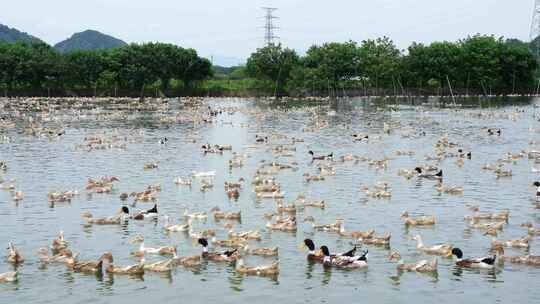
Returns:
(475,66)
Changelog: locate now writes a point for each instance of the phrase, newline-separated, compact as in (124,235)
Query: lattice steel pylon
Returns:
(269,27)
(535,26)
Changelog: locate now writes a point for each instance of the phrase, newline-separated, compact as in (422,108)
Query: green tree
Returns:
(272,63)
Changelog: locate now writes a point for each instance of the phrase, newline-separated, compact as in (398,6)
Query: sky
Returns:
(230,30)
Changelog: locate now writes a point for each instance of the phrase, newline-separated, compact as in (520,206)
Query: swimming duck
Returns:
(14,256)
(218,215)
(19,196)
(443,249)
(449,190)
(86,267)
(377,241)
(111,220)
(8,277)
(421,266)
(247,235)
(321,157)
(520,243)
(165,250)
(227,256)
(485,262)
(421,174)
(344,262)
(335,227)
(267,270)
(137,269)
(487,226)
(184,181)
(355,234)
(196,215)
(489,216)
(318,256)
(284,225)
(526,259)
(59,243)
(420,221)
(150,166)
(273,251)
(64,256)
(148,214)
(178,227)
(531,230)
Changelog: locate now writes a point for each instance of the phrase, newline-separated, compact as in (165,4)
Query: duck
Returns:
(165,250)
(64,256)
(19,196)
(86,267)
(487,226)
(318,256)
(7,277)
(231,242)
(176,227)
(150,166)
(343,262)
(312,255)
(14,256)
(59,243)
(377,241)
(485,262)
(421,174)
(530,229)
(184,181)
(117,219)
(449,190)
(313,178)
(247,235)
(504,215)
(520,243)
(321,157)
(420,266)
(266,270)
(284,225)
(273,251)
(219,215)
(137,269)
(142,215)
(442,249)
(334,227)
(420,221)
(526,259)
(355,234)
(227,256)
(196,215)
(271,195)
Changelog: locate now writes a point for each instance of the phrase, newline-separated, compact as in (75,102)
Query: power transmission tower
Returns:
(535,26)
(269,36)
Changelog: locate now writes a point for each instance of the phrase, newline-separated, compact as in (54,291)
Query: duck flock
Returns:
(243,178)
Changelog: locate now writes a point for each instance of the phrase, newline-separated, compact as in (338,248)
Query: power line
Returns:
(269,27)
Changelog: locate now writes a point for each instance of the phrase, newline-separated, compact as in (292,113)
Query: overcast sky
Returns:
(234,27)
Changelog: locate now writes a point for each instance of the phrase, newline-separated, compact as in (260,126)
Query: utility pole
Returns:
(269,36)
(535,27)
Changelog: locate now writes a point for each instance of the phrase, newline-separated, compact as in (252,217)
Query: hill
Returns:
(89,40)
(12,35)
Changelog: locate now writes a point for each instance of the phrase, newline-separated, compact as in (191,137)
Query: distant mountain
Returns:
(89,40)
(12,35)
(227,61)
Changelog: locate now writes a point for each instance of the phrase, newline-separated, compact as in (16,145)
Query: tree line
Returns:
(134,70)
(475,65)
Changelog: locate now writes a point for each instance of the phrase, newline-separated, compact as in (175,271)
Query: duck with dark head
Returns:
(226,256)
(485,262)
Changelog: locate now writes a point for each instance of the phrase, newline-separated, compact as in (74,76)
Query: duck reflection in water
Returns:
(488,274)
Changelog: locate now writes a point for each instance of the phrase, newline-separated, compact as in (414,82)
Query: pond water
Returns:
(40,164)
